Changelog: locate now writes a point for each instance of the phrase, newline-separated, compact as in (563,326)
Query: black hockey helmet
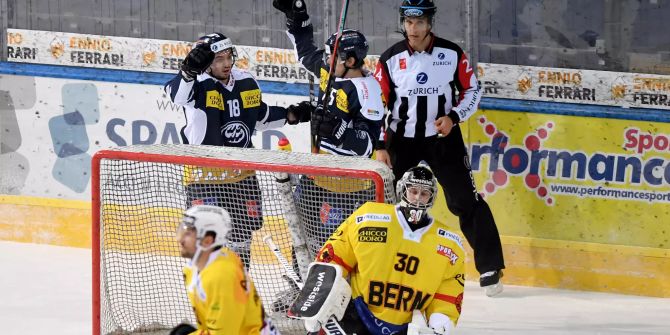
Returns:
(218,42)
(417,179)
(352,44)
(417,8)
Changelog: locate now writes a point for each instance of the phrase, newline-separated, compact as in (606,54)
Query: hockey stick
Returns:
(316,139)
(293,222)
(332,327)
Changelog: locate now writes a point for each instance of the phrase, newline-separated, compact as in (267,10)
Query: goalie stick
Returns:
(332,327)
(316,139)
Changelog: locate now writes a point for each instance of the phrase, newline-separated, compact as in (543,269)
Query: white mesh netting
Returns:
(143,191)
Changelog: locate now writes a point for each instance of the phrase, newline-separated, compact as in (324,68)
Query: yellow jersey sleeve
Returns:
(338,248)
(448,298)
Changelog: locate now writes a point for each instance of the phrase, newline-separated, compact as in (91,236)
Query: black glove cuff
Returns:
(454,117)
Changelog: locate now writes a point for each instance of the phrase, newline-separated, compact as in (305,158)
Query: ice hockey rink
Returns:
(47,290)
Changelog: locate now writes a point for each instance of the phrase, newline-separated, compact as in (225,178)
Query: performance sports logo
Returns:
(616,176)
(513,160)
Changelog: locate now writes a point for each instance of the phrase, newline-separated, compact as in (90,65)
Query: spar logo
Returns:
(537,165)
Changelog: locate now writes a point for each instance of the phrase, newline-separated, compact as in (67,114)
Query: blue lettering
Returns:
(623,163)
(608,173)
(267,138)
(649,171)
(567,158)
(112,134)
(170,134)
(515,160)
(137,132)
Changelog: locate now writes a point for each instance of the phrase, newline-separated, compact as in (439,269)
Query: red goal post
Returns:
(139,193)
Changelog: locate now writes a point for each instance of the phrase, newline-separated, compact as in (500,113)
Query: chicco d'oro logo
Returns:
(422,78)
(236,133)
(516,158)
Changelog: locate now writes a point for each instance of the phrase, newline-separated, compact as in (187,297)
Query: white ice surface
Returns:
(47,290)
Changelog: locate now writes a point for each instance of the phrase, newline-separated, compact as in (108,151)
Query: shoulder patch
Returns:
(323,79)
(251,98)
(214,99)
(373,217)
(449,235)
(341,100)
(447,252)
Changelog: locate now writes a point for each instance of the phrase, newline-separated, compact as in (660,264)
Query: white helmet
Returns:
(206,218)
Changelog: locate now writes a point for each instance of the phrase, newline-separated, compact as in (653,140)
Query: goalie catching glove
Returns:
(326,294)
(328,125)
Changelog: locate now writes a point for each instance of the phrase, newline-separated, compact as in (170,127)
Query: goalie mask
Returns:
(203,219)
(416,191)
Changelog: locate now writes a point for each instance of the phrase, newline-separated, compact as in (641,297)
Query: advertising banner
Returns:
(52,127)
(498,80)
(573,178)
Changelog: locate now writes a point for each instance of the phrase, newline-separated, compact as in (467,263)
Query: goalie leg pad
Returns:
(325,294)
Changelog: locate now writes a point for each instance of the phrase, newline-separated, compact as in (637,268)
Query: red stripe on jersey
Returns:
(327,255)
(381,74)
(465,74)
(457,301)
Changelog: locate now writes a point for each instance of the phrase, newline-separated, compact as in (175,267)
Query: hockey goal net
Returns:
(140,192)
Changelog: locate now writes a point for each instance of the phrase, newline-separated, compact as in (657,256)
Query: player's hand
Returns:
(301,112)
(328,125)
(384,157)
(444,125)
(296,12)
(197,61)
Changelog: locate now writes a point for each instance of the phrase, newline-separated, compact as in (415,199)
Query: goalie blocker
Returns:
(326,294)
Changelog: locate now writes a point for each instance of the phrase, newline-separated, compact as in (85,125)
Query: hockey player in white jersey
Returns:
(349,125)
(223,107)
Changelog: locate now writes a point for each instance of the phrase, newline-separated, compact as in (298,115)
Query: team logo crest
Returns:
(236,133)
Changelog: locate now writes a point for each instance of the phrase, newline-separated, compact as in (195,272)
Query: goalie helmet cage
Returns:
(140,192)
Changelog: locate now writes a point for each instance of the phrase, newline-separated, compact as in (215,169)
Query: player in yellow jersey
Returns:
(398,260)
(222,294)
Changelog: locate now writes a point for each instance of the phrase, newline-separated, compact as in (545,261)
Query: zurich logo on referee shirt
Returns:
(440,56)
(421,78)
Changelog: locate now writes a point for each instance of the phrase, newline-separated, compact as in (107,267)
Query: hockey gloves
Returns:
(301,112)
(197,61)
(296,13)
(328,125)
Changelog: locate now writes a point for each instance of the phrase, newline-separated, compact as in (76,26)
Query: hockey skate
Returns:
(491,283)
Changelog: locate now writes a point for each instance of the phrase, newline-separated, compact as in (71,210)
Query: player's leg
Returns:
(404,153)
(451,164)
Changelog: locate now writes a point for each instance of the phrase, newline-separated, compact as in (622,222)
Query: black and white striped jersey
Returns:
(224,115)
(358,101)
(420,87)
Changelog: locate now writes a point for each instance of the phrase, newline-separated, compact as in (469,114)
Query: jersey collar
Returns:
(407,232)
(429,50)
